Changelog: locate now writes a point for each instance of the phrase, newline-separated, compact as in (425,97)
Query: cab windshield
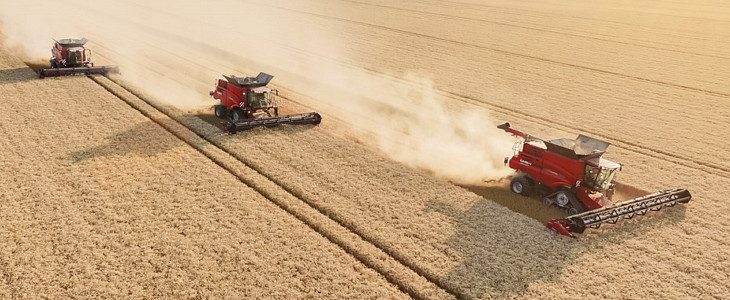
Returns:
(599,178)
(259,100)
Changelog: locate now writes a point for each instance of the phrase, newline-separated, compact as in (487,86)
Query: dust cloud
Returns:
(174,51)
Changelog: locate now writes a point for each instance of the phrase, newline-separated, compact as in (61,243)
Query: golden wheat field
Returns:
(124,186)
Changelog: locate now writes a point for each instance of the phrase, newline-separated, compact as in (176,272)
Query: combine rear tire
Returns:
(520,185)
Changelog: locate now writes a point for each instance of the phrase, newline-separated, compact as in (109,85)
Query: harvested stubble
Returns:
(461,241)
(366,252)
(656,68)
(97,201)
(477,249)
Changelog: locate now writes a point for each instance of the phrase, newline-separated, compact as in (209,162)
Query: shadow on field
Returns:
(17,75)
(497,260)
(500,261)
(499,192)
(144,139)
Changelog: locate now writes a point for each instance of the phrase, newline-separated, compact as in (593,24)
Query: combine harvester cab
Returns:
(580,181)
(69,57)
(247,102)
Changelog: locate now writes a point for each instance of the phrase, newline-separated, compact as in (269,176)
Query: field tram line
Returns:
(409,279)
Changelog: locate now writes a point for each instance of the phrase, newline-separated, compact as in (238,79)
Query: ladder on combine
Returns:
(297,119)
(621,211)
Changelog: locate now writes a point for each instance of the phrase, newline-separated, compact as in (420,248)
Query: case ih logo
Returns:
(526,163)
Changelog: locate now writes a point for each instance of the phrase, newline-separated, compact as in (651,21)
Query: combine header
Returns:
(247,103)
(69,58)
(579,180)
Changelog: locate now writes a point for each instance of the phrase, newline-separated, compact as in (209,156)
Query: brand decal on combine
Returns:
(526,163)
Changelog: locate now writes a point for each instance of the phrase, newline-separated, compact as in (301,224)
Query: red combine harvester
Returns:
(247,103)
(69,57)
(579,180)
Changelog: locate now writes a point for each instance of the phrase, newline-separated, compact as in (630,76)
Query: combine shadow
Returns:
(142,140)
(500,193)
(499,256)
(500,259)
(23,74)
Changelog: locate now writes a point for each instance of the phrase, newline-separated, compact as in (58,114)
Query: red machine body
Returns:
(250,103)
(573,167)
(241,97)
(557,172)
(70,53)
(579,180)
(69,57)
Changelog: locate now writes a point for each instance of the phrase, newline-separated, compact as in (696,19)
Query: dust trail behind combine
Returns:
(174,50)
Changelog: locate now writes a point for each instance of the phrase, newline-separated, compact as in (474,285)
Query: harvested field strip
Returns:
(342,202)
(334,230)
(109,205)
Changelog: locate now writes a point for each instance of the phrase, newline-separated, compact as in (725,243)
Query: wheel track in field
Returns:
(341,238)
(409,279)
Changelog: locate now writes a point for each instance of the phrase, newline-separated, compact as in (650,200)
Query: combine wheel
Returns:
(547,201)
(568,200)
(520,185)
(221,111)
(563,198)
(576,207)
(237,115)
(54,64)
(317,119)
(610,192)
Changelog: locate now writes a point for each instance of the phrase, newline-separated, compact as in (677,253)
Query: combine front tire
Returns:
(563,198)
(317,119)
(221,111)
(237,115)
(576,207)
(520,185)
(567,200)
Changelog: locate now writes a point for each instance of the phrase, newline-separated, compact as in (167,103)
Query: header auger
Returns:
(579,180)
(69,58)
(247,103)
